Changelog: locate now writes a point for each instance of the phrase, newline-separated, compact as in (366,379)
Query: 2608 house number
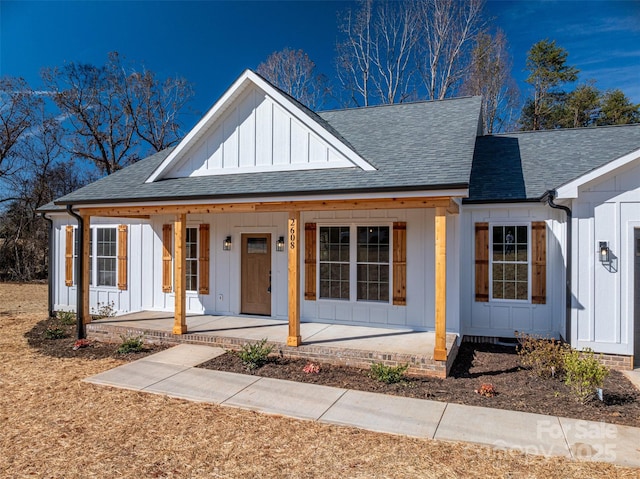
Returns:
(292,235)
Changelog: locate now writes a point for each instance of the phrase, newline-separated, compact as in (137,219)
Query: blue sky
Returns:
(211,42)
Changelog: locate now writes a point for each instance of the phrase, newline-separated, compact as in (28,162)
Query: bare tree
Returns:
(155,107)
(375,58)
(111,110)
(490,77)
(17,102)
(93,101)
(449,29)
(295,73)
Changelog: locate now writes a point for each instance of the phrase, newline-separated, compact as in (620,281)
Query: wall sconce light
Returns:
(605,256)
(226,246)
(280,244)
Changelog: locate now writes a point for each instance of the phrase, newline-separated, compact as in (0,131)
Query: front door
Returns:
(636,302)
(256,274)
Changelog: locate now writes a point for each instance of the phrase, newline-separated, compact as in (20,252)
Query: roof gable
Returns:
(255,127)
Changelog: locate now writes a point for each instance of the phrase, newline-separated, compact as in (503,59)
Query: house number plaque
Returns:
(292,234)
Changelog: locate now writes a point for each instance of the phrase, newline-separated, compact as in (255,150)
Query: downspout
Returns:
(79,279)
(52,313)
(549,197)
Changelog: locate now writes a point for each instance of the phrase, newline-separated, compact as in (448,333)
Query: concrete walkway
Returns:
(172,373)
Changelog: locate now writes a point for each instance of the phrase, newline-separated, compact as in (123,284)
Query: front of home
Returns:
(400,216)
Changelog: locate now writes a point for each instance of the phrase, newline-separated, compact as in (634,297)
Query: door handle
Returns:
(269,288)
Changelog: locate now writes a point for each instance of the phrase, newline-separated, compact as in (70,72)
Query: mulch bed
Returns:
(516,388)
(63,347)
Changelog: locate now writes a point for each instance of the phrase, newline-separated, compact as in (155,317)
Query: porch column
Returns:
(293,243)
(440,350)
(84,275)
(179,274)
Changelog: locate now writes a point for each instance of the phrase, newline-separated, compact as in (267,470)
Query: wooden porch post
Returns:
(293,248)
(179,274)
(440,350)
(86,237)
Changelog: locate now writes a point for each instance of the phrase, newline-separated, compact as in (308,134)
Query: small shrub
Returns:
(388,374)
(105,310)
(311,368)
(55,333)
(584,373)
(67,318)
(255,355)
(543,356)
(133,344)
(487,390)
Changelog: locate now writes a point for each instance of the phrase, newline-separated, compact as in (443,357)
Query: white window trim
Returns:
(197,258)
(93,231)
(514,224)
(353,261)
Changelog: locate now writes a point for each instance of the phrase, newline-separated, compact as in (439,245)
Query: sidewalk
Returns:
(172,373)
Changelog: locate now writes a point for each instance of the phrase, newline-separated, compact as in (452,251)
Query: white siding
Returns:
(256,133)
(605,210)
(501,318)
(145,269)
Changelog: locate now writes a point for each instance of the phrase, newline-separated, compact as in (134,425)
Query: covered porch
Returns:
(433,351)
(356,346)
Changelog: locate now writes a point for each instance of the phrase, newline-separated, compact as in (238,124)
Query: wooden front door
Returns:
(256,274)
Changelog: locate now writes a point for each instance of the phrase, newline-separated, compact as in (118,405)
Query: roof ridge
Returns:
(557,130)
(407,103)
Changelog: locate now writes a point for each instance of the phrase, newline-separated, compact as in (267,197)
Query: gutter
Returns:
(50,300)
(549,196)
(79,266)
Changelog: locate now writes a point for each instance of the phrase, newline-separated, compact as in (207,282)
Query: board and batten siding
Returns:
(257,134)
(130,289)
(483,316)
(603,313)
(419,311)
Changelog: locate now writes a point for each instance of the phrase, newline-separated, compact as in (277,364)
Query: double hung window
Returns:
(510,262)
(354,263)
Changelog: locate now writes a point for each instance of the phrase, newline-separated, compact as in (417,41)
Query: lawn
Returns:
(54,425)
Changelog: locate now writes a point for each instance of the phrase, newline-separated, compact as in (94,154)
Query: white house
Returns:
(393,216)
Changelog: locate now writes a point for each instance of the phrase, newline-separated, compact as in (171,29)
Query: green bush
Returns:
(66,317)
(388,374)
(55,333)
(255,355)
(132,344)
(584,373)
(543,356)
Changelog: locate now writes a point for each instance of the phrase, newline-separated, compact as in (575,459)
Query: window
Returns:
(106,256)
(354,270)
(373,263)
(334,262)
(192,259)
(510,262)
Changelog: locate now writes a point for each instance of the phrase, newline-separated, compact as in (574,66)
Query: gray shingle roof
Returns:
(523,166)
(423,145)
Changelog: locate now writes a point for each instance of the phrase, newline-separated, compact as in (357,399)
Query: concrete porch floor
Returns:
(335,343)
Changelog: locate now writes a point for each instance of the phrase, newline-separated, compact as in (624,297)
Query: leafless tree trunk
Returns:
(490,77)
(295,73)
(448,29)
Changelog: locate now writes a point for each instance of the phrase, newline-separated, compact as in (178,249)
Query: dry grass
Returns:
(52,425)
